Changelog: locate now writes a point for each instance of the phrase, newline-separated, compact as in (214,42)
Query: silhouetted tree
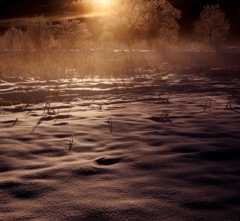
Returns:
(160,21)
(212,27)
(131,20)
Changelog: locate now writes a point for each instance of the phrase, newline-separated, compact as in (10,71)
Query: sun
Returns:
(100,7)
(103,3)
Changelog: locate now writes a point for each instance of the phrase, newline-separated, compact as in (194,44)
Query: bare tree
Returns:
(124,21)
(131,20)
(212,27)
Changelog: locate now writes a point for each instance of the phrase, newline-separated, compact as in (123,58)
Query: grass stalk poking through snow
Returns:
(15,122)
(69,111)
(88,104)
(2,111)
(165,100)
(56,116)
(20,102)
(46,110)
(39,121)
(50,110)
(229,106)
(165,117)
(32,111)
(110,124)
(207,105)
(100,107)
(70,144)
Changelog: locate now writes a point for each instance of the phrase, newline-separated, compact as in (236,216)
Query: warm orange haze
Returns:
(109,112)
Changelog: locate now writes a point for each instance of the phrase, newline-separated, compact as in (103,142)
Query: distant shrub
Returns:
(38,32)
(13,39)
(70,34)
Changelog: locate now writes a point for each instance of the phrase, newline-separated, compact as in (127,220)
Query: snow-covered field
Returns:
(163,144)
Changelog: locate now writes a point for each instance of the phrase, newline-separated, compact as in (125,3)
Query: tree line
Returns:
(153,21)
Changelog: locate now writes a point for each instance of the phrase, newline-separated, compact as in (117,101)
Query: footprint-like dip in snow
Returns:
(108,160)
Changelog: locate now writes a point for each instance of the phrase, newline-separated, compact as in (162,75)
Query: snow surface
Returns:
(161,145)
